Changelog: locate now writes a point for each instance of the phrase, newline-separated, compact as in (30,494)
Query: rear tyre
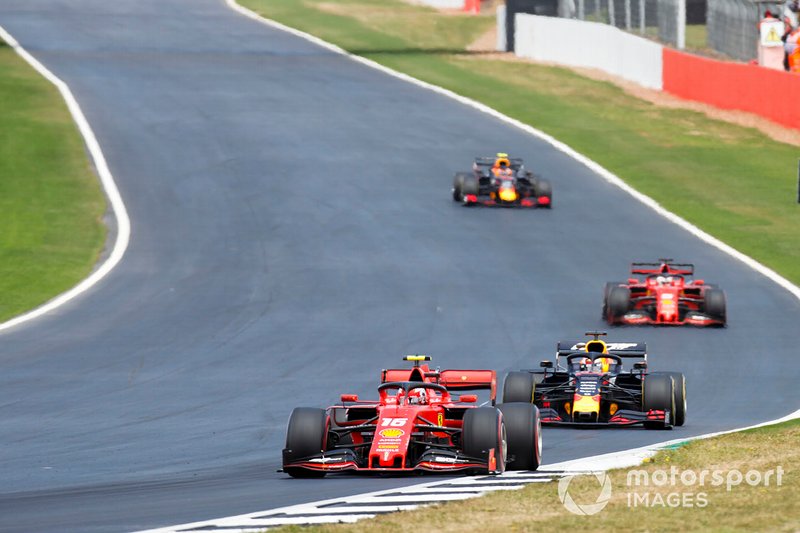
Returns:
(523,434)
(482,430)
(610,285)
(518,387)
(658,393)
(714,305)
(458,187)
(544,188)
(619,301)
(306,435)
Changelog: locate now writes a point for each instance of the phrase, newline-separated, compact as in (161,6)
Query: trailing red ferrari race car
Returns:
(501,181)
(664,296)
(416,424)
(588,387)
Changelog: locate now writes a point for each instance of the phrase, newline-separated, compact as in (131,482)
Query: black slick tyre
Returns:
(714,305)
(458,187)
(306,436)
(619,301)
(518,387)
(523,435)
(658,393)
(544,188)
(482,430)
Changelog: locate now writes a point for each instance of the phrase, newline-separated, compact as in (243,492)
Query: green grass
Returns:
(51,204)
(731,181)
(537,507)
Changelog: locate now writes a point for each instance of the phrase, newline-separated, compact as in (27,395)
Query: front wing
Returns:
(623,417)
(430,461)
(634,318)
(532,201)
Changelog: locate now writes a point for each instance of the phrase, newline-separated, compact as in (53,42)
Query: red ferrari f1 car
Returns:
(664,296)
(501,181)
(588,387)
(416,424)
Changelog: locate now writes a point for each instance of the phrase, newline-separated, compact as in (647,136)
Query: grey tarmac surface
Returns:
(293,234)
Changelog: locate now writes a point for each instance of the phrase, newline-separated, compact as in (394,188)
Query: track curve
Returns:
(292,234)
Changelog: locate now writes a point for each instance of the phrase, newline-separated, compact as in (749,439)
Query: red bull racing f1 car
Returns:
(417,423)
(589,387)
(664,296)
(501,181)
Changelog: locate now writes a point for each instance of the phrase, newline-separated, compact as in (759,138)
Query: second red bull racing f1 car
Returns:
(589,387)
(417,423)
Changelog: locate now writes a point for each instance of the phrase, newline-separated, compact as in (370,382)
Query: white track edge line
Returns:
(617,458)
(106,179)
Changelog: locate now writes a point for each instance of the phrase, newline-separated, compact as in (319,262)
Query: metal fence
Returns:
(664,19)
(733,26)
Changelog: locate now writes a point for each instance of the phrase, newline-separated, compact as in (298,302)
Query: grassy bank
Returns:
(51,203)
(731,181)
(686,505)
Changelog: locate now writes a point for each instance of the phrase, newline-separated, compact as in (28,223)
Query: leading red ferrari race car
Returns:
(416,424)
(664,296)
(501,181)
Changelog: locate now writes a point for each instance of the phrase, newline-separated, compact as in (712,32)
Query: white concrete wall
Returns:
(589,44)
(443,4)
(501,28)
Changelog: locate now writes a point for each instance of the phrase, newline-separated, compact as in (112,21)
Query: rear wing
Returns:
(665,266)
(620,349)
(516,162)
(469,380)
(452,380)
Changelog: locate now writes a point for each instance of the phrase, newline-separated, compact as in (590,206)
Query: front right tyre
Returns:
(482,430)
(306,435)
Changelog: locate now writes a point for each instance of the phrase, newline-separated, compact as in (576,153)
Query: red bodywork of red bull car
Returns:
(417,423)
(665,296)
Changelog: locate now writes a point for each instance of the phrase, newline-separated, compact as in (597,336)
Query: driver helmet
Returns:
(417,396)
(601,364)
(586,363)
(501,160)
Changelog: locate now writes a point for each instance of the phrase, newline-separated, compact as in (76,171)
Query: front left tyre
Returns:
(518,387)
(523,435)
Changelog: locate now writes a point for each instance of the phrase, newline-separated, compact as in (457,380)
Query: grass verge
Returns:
(51,203)
(731,181)
(725,503)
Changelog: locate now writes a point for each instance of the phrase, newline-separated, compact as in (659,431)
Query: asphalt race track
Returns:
(293,233)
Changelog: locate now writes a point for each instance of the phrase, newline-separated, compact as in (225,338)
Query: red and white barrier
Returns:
(724,84)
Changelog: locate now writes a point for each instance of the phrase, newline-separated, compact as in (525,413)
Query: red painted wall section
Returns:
(772,94)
